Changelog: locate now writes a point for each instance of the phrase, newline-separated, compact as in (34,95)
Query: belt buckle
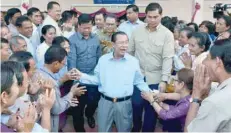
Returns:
(114,100)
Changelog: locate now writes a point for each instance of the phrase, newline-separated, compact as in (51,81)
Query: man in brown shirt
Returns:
(153,45)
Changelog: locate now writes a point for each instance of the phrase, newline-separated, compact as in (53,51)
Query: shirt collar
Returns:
(81,36)
(137,22)
(49,17)
(26,39)
(48,72)
(111,56)
(157,27)
(224,84)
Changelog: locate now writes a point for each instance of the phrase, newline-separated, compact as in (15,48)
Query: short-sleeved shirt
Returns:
(214,114)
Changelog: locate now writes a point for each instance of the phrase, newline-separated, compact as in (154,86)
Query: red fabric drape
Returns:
(104,10)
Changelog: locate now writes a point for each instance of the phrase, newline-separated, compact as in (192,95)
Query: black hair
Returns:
(20,20)
(194,25)
(84,19)
(10,13)
(98,13)
(114,35)
(154,7)
(73,13)
(66,15)
(111,16)
(227,20)
(7,78)
(166,19)
(22,57)
(32,10)
(3,40)
(55,53)
(18,69)
(58,40)
(169,25)
(135,8)
(202,39)
(188,31)
(45,30)
(51,4)
(209,25)
(221,49)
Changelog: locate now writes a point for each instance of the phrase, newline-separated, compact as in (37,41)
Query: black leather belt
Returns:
(121,99)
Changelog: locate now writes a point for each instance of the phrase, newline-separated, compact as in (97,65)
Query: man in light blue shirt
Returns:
(116,73)
(132,12)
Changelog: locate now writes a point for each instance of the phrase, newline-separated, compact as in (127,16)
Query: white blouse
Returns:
(40,52)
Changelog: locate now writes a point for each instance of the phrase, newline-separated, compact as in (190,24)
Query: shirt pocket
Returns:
(81,48)
(155,47)
(140,43)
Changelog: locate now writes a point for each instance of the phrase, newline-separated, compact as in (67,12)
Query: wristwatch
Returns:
(195,100)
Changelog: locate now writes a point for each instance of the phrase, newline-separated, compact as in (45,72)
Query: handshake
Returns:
(73,74)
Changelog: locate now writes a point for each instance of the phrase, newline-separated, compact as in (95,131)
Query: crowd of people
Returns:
(137,74)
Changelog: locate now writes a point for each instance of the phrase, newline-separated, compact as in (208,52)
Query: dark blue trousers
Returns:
(150,115)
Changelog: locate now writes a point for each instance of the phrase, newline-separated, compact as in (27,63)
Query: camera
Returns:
(219,9)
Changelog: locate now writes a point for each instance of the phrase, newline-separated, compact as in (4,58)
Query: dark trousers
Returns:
(90,99)
(150,115)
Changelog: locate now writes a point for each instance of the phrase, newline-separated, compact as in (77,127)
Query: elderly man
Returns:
(213,112)
(116,73)
(18,43)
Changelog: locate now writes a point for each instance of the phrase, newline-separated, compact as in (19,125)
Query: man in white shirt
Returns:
(99,20)
(35,16)
(25,29)
(132,12)
(54,14)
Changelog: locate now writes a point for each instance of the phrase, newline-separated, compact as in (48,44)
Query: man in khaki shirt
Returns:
(153,45)
(214,113)
(105,34)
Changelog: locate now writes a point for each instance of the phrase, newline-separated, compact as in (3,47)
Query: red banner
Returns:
(104,10)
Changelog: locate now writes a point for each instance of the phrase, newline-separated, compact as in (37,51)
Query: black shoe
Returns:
(91,122)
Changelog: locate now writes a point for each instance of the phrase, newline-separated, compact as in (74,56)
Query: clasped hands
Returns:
(153,97)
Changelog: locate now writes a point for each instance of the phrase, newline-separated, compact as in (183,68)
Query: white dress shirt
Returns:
(40,52)
(50,21)
(13,30)
(30,46)
(35,38)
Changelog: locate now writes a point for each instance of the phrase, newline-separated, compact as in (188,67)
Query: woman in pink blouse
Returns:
(183,83)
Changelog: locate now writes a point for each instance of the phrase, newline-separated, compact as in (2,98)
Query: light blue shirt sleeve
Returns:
(139,80)
(91,79)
